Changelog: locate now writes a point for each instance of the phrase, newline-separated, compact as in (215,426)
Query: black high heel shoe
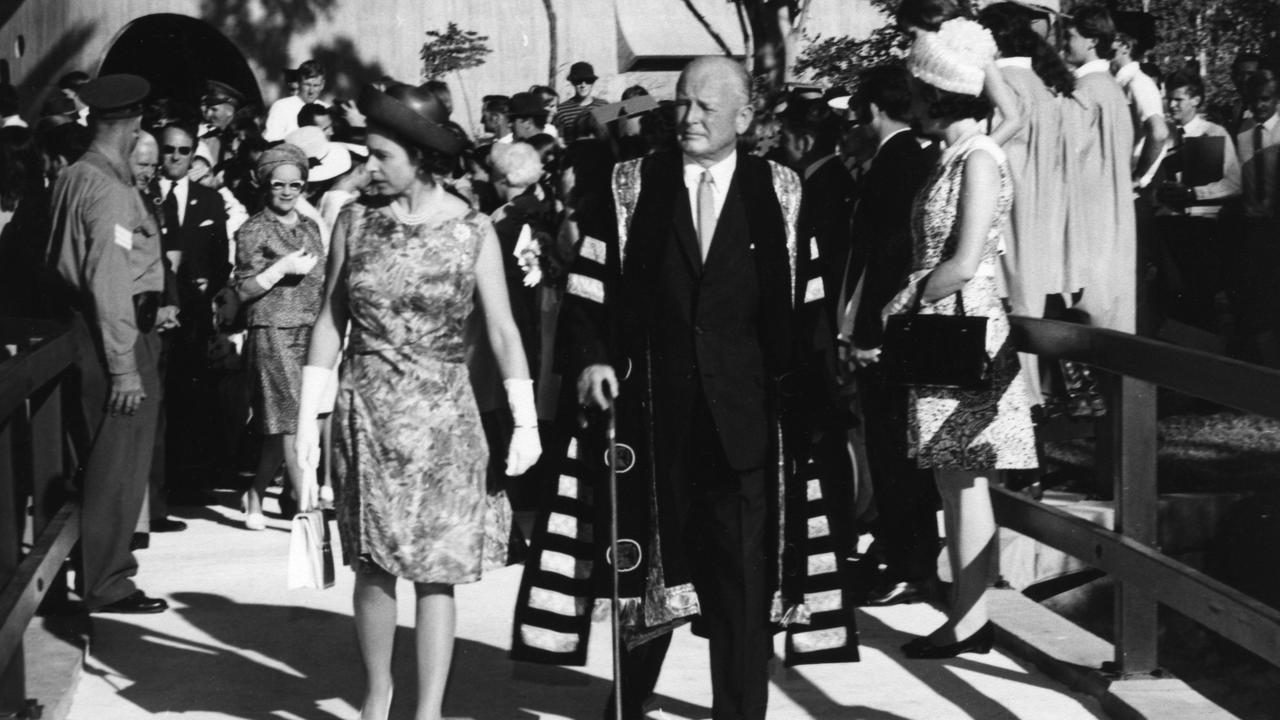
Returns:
(980,642)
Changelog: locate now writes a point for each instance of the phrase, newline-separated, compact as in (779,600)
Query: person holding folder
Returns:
(1203,172)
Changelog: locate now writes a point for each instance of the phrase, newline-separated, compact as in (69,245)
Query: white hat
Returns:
(954,58)
(328,160)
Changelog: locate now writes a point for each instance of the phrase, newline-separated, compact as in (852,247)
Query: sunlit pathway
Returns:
(237,644)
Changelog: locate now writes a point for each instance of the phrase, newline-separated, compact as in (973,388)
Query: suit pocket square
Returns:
(206,223)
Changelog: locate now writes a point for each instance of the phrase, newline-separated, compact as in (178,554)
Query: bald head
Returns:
(143,159)
(721,72)
(714,94)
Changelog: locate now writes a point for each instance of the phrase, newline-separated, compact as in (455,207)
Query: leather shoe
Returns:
(980,642)
(136,603)
(166,524)
(139,541)
(899,593)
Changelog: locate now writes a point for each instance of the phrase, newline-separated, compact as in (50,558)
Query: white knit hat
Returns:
(954,58)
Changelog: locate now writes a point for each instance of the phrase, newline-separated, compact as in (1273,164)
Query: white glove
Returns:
(526,445)
(298,262)
(307,441)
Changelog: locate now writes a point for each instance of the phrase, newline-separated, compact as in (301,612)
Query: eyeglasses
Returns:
(277,186)
(184,150)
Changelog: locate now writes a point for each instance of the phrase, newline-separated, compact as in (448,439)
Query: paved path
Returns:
(237,644)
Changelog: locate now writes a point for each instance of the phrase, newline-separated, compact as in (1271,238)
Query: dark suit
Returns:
(905,527)
(829,194)
(202,271)
(710,345)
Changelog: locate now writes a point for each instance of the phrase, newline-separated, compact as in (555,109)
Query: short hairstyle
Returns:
(309,112)
(500,104)
(1094,22)
(21,169)
(1191,81)
(520,163)
(813,118)
(888,85)
(950,106)
(1256,83)
(310,69)
(181,125)
(634,91)
(68,141)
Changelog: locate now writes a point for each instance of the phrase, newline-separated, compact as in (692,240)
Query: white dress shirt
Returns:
(1094,66)
(180,191)
(721,176)
(1229,185)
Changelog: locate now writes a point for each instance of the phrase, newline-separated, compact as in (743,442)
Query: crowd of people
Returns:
(422,326)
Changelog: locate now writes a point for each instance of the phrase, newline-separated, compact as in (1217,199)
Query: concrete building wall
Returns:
(365,39)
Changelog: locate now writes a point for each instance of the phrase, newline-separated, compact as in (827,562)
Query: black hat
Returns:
(414,115)
(216,93)
(526,104)
(582,71)
(113,97)
(1138,25)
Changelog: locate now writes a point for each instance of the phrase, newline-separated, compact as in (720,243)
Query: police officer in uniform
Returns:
(106,246)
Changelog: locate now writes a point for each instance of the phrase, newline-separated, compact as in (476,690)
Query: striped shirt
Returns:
(567,114)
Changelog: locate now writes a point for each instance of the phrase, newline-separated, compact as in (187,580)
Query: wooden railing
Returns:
(1127,458)
(37,377)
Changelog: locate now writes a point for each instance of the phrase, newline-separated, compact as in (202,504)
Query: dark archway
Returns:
(176,54)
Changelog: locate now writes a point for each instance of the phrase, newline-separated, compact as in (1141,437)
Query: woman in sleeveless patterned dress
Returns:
(963,435)
(405,269)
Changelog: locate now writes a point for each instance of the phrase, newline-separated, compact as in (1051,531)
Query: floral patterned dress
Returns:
(968,429)
(411,454)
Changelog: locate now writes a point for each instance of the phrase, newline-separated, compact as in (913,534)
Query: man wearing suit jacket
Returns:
(194,238)
(905,527)
(704,319)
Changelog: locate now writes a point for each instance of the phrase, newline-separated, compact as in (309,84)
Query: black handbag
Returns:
(948,351)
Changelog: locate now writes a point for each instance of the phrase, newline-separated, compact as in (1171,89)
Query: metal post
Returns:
(13,696)
(1133,442)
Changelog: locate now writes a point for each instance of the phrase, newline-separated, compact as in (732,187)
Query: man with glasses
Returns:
(194,238)
(583,79)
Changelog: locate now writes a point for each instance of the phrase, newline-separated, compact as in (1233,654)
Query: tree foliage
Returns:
(1210,33)
(452,49)
(838,60)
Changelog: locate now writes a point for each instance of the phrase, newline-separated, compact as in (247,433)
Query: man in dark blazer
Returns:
(194,238)
(704,318)
(905,528)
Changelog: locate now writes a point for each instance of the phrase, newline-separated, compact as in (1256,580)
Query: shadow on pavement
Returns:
(271,661)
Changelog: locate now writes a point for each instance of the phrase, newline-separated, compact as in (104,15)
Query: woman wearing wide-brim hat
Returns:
(410,269)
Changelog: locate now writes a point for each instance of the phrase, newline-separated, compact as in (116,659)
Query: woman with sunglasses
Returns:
(280,280)
(415,275)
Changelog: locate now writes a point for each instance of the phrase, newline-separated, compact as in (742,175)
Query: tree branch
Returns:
(555,44)
(724,47)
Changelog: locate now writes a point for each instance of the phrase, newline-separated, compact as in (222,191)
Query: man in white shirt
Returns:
(1133,39)
(1188,220)
(283,116)
(1254,260)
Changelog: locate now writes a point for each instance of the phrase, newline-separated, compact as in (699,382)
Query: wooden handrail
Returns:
(1127,452)
(1236,384)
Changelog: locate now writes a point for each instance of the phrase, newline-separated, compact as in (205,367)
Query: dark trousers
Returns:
(906,527)
(115,470)
(1191,270)
(724,541)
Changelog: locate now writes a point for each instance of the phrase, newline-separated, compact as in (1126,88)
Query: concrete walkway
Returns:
(237,644)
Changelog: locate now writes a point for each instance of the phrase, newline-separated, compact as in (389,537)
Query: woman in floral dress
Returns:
(405,270)
(963,435)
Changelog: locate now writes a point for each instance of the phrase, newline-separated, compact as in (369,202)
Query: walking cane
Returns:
(611,433)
